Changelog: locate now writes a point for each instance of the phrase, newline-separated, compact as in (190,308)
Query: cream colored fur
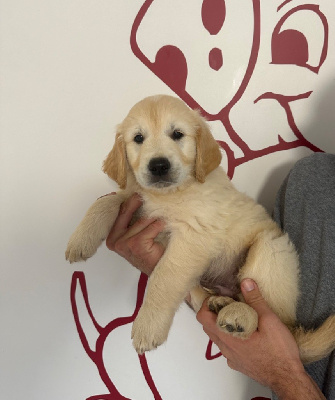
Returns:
(216,234)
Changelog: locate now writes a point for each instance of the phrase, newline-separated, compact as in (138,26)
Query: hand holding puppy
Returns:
(136,243)
(270,356)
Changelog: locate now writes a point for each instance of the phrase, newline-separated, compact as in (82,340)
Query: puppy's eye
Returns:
(177,135)
(139,138)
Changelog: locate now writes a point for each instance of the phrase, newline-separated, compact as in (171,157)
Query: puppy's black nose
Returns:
(159,166)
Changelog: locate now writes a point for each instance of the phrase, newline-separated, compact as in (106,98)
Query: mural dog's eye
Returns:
(177,135)
(301,38)
(139,138)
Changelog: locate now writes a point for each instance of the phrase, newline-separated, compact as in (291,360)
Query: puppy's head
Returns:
(164,144)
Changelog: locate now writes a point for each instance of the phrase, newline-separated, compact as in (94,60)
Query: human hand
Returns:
(136,243)
(270,356)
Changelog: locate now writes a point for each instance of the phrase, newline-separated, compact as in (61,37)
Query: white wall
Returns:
(68,76)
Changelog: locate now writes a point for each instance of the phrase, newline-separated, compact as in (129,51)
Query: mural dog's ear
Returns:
(115,165)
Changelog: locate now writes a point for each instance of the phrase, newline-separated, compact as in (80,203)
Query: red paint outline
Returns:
(79,283)
(283,4)
(316,9)
(223,115)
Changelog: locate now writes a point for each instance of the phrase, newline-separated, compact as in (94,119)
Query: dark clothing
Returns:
(305,209)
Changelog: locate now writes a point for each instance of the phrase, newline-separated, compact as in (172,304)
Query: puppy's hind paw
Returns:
(238,319)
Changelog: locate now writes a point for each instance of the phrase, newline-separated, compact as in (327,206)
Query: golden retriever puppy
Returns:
(216,236)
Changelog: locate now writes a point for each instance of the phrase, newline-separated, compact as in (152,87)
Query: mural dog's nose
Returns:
(159,166)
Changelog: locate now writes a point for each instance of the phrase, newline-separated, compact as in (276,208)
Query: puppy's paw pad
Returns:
(238,319)
(231,328)
(216,303)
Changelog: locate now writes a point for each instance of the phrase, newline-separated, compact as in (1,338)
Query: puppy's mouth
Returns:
(159,184)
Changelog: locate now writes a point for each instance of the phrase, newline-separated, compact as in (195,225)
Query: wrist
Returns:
(284,379)
(295,384)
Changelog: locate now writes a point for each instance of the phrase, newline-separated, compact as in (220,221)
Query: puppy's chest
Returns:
(179,213)
(210,226)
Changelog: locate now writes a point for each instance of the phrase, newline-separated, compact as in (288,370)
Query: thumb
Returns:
(253,296)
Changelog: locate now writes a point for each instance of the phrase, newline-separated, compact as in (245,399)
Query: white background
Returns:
(68,77)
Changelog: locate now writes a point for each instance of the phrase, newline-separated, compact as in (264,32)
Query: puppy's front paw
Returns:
(80,248)
(238,319)
(148,332)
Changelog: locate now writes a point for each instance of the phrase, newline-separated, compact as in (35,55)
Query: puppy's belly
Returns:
(221,276)
(221,285)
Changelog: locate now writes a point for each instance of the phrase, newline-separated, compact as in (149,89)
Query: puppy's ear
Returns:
(115,165)
(208,155)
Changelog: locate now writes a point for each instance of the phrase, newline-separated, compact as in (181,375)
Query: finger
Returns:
(253,297)
(232,365)
(142,246)
(213,337)
(145,228)
(138,244)
(207,318)
(224,349)
(123,240)
(220,338)
(122,222)
(127,210)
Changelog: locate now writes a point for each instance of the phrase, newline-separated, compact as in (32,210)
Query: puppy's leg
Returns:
(177,272)
(272,263)
(94,228)
(198,296)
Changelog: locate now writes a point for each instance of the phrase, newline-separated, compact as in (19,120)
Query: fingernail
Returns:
(248,285)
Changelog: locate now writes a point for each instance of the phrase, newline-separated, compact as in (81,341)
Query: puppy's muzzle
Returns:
(159,166)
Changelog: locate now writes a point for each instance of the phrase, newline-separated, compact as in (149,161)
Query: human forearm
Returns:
(295,384)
